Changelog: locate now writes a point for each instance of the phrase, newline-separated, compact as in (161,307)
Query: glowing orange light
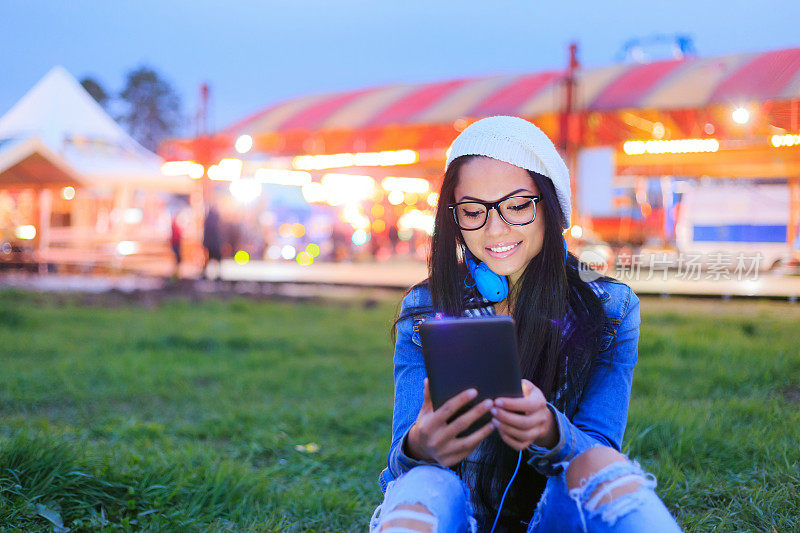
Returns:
(285,230)
(379,226)
(460,124)
(416,219)
(361,159)
(183,168)
(646,209)
(417,185)
(785,140)
(377,210)
(298,230)
(675,146)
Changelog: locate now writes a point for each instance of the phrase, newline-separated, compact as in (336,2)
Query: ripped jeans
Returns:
(559,509)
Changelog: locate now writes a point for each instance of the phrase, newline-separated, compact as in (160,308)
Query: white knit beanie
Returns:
(520,143)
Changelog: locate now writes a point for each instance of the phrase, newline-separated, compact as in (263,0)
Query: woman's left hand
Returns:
(525,421)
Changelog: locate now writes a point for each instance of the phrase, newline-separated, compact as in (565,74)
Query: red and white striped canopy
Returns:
(679,84)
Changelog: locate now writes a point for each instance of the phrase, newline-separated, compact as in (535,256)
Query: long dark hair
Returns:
(548,288)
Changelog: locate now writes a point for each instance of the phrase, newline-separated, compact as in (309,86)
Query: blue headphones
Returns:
(492,286)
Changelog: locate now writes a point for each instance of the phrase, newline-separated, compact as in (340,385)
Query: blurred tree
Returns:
(151,108)
(96,90)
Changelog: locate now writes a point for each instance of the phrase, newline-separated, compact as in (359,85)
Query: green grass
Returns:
(184,416)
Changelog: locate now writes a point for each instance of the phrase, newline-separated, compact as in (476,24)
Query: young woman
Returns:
(503,204)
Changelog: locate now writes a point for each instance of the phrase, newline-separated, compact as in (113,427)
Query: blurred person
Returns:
(212,241)
(549,460)
(341,237)
(176,235)
(394,238)
(231,238)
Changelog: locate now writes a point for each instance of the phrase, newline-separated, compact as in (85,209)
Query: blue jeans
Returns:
(559,509)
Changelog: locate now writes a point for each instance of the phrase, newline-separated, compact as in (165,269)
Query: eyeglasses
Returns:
(514,210)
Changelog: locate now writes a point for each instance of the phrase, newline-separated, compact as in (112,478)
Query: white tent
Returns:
(59,122)
(57,137)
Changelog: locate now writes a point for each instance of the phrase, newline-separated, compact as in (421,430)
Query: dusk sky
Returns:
(254,54)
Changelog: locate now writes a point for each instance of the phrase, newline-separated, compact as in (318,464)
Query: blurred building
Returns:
(636,136)
(77,190)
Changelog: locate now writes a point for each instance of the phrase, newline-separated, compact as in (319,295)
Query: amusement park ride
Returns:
(660,123)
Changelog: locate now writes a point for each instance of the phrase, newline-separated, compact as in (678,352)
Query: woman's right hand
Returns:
(431,438)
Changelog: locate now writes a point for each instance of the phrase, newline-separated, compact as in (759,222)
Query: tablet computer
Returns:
(461,353)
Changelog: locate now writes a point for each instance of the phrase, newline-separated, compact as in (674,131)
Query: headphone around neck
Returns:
(492,286)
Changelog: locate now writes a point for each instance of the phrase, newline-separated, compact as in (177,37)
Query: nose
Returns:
(494,224)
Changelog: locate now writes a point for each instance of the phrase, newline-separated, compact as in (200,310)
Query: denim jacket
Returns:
(600,417)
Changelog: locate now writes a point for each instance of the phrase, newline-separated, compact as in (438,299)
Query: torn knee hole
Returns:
(588,463)
(611,490)
(413,516)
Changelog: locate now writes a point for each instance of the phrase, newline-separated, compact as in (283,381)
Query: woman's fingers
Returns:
(525,405)
(511,441)
(463,447)
(426,397)
(518,420)
(527,387)
(464,421)
(531,400)
(525,434)
(449,408)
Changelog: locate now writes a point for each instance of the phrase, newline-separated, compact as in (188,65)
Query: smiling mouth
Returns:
(502,249)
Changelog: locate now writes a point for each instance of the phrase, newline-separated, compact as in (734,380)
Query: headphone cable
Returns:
(505,492)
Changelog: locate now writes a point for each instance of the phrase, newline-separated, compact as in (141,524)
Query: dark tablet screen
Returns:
(461,353)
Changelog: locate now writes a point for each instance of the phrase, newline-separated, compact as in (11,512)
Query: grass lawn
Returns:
(246,415)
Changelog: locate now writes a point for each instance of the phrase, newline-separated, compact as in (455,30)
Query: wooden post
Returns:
(45,202)
(794,213)
(569,129)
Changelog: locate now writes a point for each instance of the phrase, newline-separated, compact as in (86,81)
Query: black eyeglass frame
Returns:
(494,205)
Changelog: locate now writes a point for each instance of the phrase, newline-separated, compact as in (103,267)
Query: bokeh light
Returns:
(360,237)
(243,144)
(25,232)
(304,259)
(298,230)
(741,115)
(245,190)
(313,249)
(416,219)
(288,252)
(396,197)
(352,215)
(241,257)
(417,185)
(349,189)
(285,230)
(127,248)
(314,193)
(274,252)
(68,193)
